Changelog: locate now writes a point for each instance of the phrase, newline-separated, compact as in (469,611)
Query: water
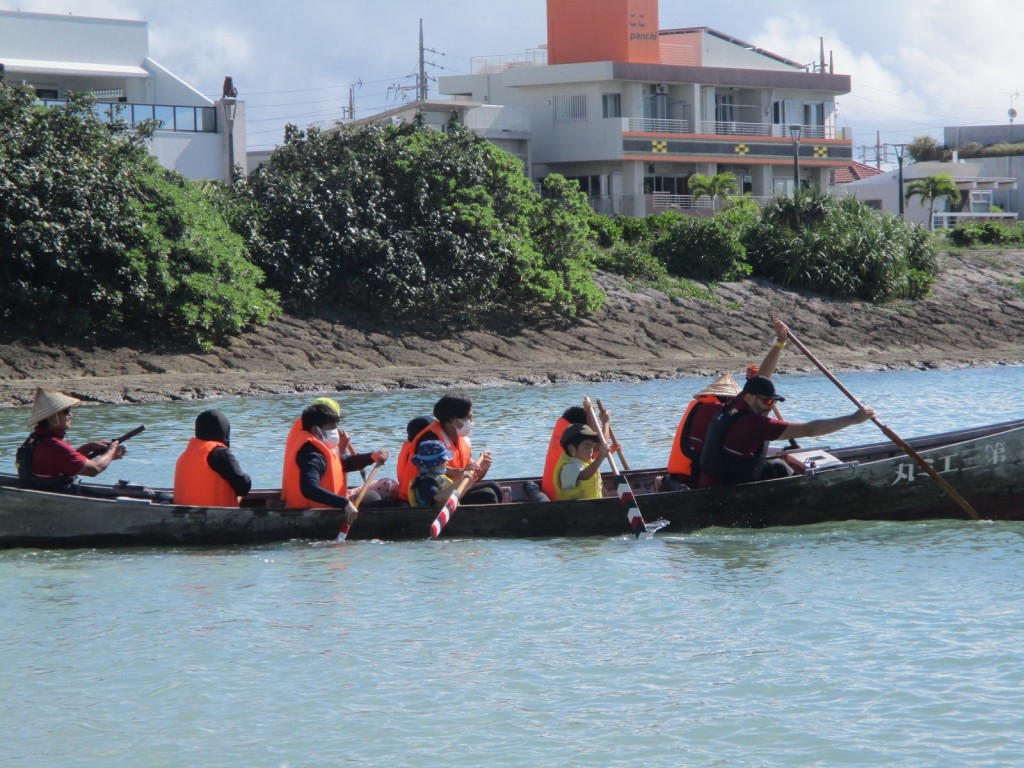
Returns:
(856,644)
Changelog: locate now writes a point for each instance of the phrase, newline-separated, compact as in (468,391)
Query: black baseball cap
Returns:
(762,387)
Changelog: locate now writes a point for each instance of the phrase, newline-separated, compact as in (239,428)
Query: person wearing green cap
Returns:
(383,490)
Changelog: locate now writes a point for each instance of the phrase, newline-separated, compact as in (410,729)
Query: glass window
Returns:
(184,119)
(611,105)
(208,118)
(166,117)
(102,112)
(141,112)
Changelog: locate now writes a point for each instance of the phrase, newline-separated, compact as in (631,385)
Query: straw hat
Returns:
(724,386)
(49,402)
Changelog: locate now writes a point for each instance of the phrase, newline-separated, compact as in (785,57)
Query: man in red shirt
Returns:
(736,445)
(46,459)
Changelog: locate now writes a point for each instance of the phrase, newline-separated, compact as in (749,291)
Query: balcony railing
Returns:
(947,220)
(734,128)
(171,118)
(739,128)
(649,125)
(663,201)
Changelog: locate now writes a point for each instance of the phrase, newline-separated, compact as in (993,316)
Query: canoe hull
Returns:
(873,482)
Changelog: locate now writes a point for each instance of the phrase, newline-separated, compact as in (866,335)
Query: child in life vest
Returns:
(432,486)
(576,474)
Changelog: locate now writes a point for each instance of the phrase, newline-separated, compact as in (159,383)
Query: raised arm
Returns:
(771,360)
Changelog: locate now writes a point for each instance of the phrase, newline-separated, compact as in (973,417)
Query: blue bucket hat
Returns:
(431,453)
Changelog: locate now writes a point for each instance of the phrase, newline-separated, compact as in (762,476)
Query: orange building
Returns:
(631,111)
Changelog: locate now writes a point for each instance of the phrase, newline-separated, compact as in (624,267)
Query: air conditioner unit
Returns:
(661,88)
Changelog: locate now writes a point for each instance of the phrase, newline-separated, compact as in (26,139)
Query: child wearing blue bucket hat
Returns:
(432,486)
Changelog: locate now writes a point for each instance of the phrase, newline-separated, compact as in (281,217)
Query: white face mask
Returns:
(329,437)
(466,429)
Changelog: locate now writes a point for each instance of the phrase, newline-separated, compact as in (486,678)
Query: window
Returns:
(784,112)
(611,105)
(46,93)
(725,108)
(570,107)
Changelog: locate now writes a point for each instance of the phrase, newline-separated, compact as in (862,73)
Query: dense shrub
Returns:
(98,238)
(985,233)
(840,247)
(633,261)
(407,221)
(702,249)
(605,229)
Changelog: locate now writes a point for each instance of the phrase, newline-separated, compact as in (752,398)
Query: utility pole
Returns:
(423,69)
(900,148)
(351,103)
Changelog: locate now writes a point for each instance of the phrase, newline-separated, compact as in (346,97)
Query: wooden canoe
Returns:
(867,482)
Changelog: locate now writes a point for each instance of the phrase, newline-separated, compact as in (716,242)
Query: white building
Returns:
(505,127)
(978,193)
(632,111)
(57,54)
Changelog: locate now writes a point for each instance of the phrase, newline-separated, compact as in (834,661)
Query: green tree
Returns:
(716,187)
(925,148)
(408,222)
(932,188)
(84,213)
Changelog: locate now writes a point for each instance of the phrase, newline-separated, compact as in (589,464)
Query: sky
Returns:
(916,66)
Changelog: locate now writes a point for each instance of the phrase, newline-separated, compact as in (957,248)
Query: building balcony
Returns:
(725,128)
(169,117)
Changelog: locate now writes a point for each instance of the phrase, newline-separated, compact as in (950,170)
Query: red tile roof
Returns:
(855,172)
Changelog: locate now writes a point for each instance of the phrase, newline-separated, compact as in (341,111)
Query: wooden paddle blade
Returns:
(444,515)
(636,520)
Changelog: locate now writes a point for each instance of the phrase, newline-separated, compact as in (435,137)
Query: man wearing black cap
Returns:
(736,446)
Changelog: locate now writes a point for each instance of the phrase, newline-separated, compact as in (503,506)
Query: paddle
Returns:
(950,491)
(450,505)
(121,440)
(625,493)
(615,440)
(345,527)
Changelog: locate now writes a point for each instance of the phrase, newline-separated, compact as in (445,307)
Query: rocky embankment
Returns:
(974,317)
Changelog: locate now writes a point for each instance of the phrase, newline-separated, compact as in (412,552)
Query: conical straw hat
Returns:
(47,403)
(724,386)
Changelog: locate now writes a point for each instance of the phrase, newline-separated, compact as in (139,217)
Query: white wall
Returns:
(72,38)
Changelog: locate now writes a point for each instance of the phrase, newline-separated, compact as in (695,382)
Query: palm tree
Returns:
(719,185)
(932,188)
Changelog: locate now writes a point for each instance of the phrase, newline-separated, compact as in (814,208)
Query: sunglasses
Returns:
(766,400)
(65,412)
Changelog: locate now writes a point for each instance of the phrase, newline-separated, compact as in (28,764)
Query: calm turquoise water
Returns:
(860,644)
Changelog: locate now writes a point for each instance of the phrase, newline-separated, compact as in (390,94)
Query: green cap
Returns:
(331,403)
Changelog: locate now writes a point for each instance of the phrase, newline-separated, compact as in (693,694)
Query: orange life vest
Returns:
(406,470)
(195,484)
(555,452)
(333,479)
(678,462)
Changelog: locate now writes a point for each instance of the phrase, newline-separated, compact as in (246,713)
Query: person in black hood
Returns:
(207,473)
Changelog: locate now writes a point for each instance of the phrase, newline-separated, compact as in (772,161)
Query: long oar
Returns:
(615,440)
(950,491)
(622,488)
(343,533)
